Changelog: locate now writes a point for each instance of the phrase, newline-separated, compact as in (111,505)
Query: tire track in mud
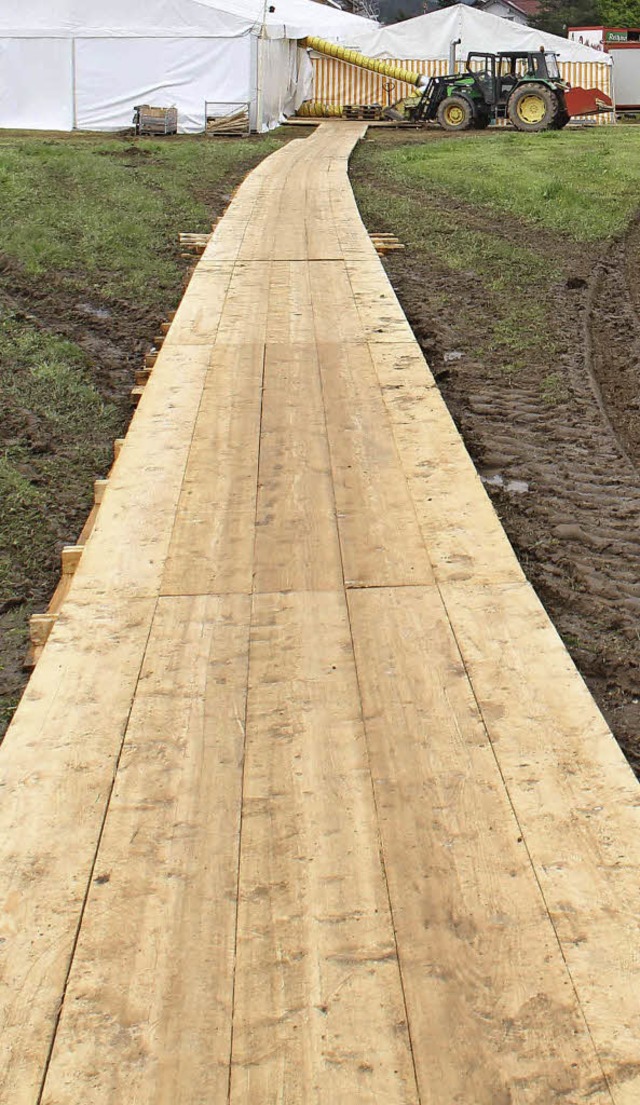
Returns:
(577,529)
(613,338)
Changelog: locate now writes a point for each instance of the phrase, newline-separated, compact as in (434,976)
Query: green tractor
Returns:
(524,88)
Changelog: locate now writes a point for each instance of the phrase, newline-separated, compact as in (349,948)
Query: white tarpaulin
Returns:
(174,19)
(429,37)
(47,63)
(88,63)
(112,74)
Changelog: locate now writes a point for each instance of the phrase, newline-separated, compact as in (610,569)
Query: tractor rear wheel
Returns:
(533,107)
(455,113)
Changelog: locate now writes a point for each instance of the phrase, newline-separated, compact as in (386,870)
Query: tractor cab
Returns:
(497,75)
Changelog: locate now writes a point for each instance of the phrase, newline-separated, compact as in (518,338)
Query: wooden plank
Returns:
(576,800)
(213,536)
(290,305)
(147,1012)
(319,1014)
(275,228)
(128,546)
(401,368)
(335,313)
(297,546)
(380,314)
(372,498)
(246,306)
(493,1014)
(198,316)
(57,766)
(459,524)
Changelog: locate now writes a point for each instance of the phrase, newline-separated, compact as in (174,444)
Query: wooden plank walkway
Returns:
(305,801)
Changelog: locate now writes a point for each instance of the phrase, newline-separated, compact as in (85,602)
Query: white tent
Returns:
(428,37)
(85,64)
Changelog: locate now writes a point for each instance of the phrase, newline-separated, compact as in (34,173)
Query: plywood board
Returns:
(576,800)
(213,535)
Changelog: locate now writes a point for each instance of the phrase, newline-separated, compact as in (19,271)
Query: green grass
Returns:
(106,212)
(584,186)
(583,183)
(58,443)
(504,271)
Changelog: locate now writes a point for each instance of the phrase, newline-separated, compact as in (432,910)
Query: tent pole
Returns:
(259,93)
(74,84)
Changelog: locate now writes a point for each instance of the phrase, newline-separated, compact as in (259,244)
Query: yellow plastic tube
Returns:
(352,57)
(315,109)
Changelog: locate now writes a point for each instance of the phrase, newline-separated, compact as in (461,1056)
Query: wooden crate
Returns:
(155,120)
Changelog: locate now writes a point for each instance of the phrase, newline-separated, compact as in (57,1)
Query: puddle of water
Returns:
(517,487)
(95,312)
(454,355)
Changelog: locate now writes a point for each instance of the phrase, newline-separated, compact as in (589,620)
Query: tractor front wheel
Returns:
(533,107)
(455,113)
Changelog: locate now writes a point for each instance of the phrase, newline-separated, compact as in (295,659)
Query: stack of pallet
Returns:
(236,124)
(155,120)
(368,112)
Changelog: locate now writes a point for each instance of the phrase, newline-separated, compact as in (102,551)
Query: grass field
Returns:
(583,186)
(89,266)
(584,183)
(105,213)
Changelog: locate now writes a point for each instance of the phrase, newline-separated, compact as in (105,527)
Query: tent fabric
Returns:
(176,19)
(113,75)
(124,19)
(299,18)
(88,63)
(280,99)
(50,105)
(428,37)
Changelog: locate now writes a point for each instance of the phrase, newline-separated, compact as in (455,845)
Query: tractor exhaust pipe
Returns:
(452,54)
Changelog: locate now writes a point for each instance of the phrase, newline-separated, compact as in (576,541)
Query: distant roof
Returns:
(527,7)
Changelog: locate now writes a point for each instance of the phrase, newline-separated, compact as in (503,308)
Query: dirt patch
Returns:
(557,439)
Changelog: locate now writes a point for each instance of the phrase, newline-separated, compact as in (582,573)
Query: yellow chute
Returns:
(352,57)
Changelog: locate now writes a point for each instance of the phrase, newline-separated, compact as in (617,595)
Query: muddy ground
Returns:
(558,442)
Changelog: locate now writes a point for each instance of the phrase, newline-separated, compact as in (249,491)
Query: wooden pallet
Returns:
(366,112)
